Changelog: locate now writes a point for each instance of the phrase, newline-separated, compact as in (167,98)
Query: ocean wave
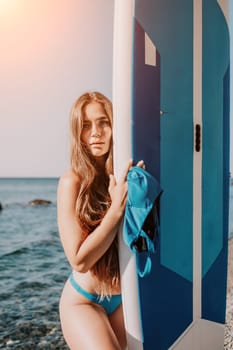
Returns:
(35,285)
(18,251)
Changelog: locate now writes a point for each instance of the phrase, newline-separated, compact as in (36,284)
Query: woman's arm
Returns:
(84,253)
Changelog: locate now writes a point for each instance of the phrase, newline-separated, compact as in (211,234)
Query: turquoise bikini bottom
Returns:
(110,304)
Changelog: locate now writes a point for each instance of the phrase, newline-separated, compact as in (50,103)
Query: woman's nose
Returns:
(95,131)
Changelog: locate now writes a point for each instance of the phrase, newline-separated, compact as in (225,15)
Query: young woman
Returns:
(91,205)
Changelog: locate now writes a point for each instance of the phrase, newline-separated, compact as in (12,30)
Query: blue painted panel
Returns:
(215,65)
(171,29)
(215,161)
(166,294)
(146,106)
(166,300)
(169,87)
(214,289)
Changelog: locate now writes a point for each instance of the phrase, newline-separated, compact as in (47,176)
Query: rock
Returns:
(39,202)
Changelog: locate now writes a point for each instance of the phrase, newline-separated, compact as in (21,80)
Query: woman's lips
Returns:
(97,143)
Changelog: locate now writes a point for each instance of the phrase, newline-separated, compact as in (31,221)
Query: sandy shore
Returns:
(228,343)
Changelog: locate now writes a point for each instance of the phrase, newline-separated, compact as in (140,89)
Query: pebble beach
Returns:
(228,343)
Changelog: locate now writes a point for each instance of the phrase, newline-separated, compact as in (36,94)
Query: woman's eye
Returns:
(104,123)
(86,126)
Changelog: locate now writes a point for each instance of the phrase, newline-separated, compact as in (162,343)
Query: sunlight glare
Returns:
(8,9)
(7,4)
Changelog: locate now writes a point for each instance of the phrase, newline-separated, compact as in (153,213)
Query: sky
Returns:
(51,52)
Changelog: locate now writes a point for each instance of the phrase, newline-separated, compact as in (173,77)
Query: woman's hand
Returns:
(141,164)
(118,190)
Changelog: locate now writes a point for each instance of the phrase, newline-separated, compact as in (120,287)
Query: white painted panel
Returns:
(197,160)
(201,335)
(211,335)
(122,90)
(186,340)
(150,51)
(224,4)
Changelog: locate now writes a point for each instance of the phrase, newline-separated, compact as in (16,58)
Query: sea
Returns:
(33,267)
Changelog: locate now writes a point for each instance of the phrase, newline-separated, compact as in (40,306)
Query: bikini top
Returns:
(141,219)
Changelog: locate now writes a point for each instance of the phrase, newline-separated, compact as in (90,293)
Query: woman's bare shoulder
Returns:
(69,181)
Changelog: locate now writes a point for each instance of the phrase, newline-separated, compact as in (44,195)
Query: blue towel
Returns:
(141,219)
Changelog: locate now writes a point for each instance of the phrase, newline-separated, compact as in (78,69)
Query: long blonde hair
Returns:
(93,199)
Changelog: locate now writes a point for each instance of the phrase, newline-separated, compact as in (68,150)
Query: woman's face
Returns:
(96,130)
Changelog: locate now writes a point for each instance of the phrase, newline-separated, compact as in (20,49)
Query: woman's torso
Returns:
(87,282)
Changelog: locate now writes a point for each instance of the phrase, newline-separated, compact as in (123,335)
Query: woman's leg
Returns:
(87,327)
(117,323)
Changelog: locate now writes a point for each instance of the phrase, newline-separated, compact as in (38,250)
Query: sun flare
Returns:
(8,10)
(7,4)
